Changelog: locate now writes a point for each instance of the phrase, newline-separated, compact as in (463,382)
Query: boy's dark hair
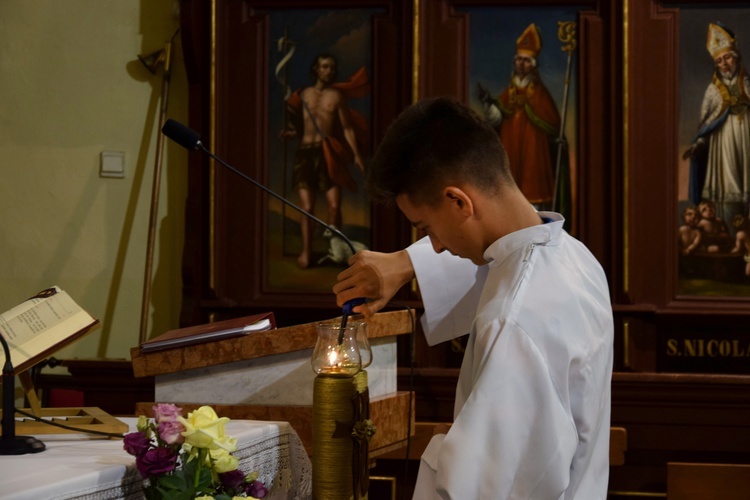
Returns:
(434,143)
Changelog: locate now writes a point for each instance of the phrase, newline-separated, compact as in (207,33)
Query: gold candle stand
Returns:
(341,433)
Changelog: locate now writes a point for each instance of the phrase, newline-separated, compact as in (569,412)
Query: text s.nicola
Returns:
(708,348)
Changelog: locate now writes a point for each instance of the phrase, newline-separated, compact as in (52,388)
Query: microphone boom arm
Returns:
(281,199)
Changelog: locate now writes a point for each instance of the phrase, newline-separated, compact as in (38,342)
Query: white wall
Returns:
(71,86)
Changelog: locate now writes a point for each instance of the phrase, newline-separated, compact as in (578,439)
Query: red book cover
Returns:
(209,332)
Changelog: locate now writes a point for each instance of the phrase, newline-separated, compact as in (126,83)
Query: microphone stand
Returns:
(10,444)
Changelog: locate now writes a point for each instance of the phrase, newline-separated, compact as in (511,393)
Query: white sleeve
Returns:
(513,438)
(450,288)
(424,489)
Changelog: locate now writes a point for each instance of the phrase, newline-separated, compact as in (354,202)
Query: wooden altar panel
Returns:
(678,418)
(651,163)
(660,328)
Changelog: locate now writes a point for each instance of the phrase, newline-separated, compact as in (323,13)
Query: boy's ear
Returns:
(458,198)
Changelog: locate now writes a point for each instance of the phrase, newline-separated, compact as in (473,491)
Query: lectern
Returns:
(267,376)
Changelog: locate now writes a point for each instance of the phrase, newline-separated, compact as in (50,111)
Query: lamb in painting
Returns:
(338,250)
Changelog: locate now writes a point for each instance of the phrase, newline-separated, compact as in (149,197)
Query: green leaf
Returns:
(151,493)
(173,482)
(189,468)
(177,495)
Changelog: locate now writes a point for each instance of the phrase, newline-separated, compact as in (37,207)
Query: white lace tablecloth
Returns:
(76,466)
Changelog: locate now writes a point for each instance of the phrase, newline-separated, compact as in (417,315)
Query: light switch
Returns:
(113,164)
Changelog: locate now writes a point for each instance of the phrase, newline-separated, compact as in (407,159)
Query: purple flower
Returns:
(232,479)
(171,432)
(166,412)
(155,462)
(256,489)
(136,443)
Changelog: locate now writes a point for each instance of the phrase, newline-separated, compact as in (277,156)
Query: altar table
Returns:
(82,466)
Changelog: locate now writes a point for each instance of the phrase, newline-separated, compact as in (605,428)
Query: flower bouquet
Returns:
(189,457)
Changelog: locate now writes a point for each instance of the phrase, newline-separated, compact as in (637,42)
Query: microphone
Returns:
(182,135)
(190,139)
(10,444)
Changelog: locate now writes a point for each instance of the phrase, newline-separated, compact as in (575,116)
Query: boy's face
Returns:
(443,224)
(707,211)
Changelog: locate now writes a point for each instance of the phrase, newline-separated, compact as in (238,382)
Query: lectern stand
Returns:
(75,420)
(267,376)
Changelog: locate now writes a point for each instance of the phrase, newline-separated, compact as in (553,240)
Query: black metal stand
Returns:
(10,444)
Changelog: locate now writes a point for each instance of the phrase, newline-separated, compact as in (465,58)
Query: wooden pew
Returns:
(699,481)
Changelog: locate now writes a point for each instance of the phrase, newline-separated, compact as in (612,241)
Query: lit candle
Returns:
(333,358)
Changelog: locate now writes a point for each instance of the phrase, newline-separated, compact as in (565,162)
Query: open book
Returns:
(42,325)
(211,331)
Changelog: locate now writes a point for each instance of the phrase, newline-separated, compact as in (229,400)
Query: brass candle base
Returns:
(341,432)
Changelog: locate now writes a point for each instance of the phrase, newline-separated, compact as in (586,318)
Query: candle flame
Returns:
(333,358)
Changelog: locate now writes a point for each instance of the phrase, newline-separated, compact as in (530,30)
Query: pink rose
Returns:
(156,462)
(136,443)
(171,432)
(166,412)
(232,479)
(256,489)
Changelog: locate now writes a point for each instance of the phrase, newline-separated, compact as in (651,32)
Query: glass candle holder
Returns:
(365,351)
(336,352)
